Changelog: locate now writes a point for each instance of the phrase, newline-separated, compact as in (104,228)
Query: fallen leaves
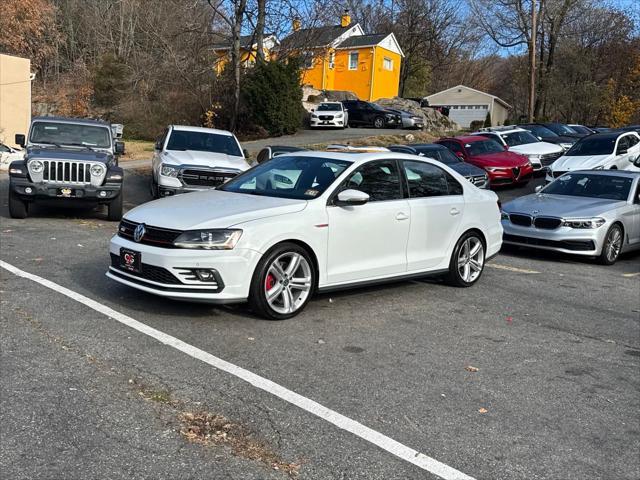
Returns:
(482,410)
(472,369)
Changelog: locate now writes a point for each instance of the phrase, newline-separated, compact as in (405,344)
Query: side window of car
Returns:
(623,144)
(263,155)
(379,179)
(455,146)
(633,140)
(427,180)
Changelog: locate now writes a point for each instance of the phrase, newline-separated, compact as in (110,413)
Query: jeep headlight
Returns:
(169,171)
(216,239)
(590,223)
(36,166)
(97,170)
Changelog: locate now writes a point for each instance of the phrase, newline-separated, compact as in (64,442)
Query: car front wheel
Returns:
(467,261)
(17,207)
(283,282)
(378,122)
(612,246)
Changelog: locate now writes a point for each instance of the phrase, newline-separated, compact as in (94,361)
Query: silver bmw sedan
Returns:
(594,213)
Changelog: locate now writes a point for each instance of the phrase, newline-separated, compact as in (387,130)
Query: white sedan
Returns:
(341,220)
(601,151)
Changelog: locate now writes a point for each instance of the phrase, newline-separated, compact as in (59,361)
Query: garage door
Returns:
(463,115)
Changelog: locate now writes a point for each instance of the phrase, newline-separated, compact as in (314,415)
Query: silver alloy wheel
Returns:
(378,122)
(288,282)
(471,259)
(613,244)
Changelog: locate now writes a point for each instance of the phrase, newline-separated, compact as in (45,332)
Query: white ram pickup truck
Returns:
(187,159)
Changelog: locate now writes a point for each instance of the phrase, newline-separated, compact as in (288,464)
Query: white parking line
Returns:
(509,268)
(629,275)
(345,423)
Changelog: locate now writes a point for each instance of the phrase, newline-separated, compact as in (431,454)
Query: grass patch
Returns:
(137,150)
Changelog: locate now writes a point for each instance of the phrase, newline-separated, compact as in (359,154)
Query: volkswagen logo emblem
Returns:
(535,212)
(139,232)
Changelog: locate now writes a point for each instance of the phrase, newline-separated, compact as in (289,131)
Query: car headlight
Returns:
(313,115)
(566,146)
(339,115)
(97,170)
(36,166)
(209,239)
(534,158)
(169,171)
(504,216)
(495,169)
(591,223)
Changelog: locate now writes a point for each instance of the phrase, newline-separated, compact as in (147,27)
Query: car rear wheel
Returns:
(467,261)
(378,122)
(612,246)
(283,282)
(17,207)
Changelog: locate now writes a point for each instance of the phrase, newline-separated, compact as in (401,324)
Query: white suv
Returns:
(329,114)
(540,154)
(194,158)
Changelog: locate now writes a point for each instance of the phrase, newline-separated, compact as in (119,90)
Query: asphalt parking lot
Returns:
(533,373)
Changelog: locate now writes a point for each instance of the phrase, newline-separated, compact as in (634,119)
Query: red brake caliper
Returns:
(269,282)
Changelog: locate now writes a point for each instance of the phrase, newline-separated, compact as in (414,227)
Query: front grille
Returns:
(558,174)
(326,117)
(158,237)
(61,171)
(205,178)
(576,245)
(547,223)
(522,220)
(477,180)
(516,172)
(147,272)
(549,158)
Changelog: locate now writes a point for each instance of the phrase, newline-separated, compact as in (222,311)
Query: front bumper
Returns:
(412,123)
(319,123)
(33,192)
(164,275)
(508,176)
(575,241)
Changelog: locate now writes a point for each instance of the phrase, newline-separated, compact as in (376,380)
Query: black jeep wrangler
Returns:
(67,160)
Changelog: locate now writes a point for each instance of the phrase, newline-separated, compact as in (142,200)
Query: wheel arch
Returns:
(308,248)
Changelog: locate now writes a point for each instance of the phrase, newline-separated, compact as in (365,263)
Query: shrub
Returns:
(476,125)
(487,121)
(271,96)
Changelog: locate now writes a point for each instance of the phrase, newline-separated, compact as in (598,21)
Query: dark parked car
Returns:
(475,175)
(409,120)
(547,135)
(366,114)
(270,151)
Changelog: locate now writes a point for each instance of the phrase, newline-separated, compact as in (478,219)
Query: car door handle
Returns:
(454,211)
(402,216)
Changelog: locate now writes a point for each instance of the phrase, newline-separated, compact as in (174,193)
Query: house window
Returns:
(353,60)
(332,60)
(387,63)
(307,60)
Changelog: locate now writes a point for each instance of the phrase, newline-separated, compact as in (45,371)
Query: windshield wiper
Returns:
(49,143)
(81,145)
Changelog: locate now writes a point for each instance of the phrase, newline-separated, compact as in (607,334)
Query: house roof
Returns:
(497,99)
(223,42)
(363,40)
(313,37)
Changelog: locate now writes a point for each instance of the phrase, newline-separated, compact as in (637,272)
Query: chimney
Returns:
(296,24)
(345,19)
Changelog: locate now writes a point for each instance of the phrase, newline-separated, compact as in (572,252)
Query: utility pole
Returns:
(532,61)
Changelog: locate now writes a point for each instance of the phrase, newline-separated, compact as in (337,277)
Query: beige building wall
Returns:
(15,97)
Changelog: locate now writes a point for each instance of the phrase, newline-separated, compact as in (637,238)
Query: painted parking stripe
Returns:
(345,423)
(630,275)
(509,268)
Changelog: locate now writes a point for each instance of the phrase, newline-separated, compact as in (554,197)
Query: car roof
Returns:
(83,121)
(606,135)
(187,128)
(429,146)
(614,173)
(467,138)
(499,131)
(359,158)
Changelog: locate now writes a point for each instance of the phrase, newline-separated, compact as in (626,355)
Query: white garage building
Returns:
(467,104)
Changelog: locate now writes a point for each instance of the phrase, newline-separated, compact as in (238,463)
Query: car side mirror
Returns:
(539,138)
(460,154)
(20,139)
(245,152)
(538,188)
(351,197)
(158,145)
(119,148)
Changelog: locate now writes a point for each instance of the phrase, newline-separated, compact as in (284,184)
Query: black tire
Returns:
(522,184)
(610,251)
(153,186)
(17,207)
(378,122)
(455,277)
(263,277)
(114,209)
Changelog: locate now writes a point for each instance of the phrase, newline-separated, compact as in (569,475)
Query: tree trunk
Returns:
(236,60)
(262,13)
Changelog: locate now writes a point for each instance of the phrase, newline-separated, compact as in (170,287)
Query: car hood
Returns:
(211,209)
(559,139)
(501,159)
(466,169)
(560,205)
(537,148)
(569,163)
(204,159)
(68,154)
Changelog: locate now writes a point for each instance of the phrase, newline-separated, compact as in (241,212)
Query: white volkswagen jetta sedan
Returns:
(307,222)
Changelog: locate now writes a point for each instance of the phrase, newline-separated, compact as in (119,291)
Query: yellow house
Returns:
(343,57)
(248,50)
(15,97)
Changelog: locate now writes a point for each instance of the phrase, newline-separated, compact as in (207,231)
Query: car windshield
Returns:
(560,129)
(203,142)
(444,155)
(593,146)
(540,131)
(611,187)
(519,138)
(330,107)
(581,129)
(73,134)
(303,178)
(483,147)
